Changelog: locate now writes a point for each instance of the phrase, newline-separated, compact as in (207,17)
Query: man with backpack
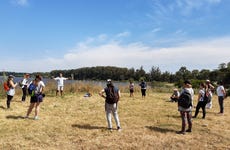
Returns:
(112,95)
(185,103)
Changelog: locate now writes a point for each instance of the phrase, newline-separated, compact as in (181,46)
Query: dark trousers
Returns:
(221,103)
(186,116)
(143,92)
(9,98)
(24,93)
(201,104)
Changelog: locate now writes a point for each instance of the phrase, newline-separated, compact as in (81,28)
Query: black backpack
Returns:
(112,95)
(185,99)
(207,97)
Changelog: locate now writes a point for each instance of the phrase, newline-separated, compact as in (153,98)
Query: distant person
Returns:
(60,84)
(11,91)
(131,88)
(143,86)
(201,100)
(186,98)
(211,89)
(112,95)
(37,96)
(221,93)
(175,96)
(24,85)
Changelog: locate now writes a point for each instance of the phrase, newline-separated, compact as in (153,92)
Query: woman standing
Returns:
(38,96)
(221,93)
(201,103)
(24,85)
(11,91)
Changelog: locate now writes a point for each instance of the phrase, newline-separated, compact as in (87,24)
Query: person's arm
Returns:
(119,94)
(101,93)
(224,92)
(12,84)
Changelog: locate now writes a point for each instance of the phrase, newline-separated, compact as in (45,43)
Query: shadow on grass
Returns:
(2,107)
(87,127)
(14,117)
(160,129)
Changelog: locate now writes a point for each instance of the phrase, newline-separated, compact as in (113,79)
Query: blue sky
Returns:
(45,35)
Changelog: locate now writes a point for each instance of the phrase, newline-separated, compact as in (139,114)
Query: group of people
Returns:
(143,86)
(37,98)
(111,94)
(204,98)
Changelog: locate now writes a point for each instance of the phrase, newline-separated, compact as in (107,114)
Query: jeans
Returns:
(111,109)
(186,115)
(24,93)
(221,103)
(201,104)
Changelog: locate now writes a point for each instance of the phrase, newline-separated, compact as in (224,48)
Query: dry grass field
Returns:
(74,122)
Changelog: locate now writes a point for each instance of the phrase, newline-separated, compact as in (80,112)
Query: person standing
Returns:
(24,85)
(201,102)
(60,84)
(131,89)
(112,95)
(186,112)
(143,86)
(221,93)
(11,91)
(210,89)
(37,98)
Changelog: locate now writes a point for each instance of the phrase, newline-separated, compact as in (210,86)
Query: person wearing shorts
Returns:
(60,84)
(37,98)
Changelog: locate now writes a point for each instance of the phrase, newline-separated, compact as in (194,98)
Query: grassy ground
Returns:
(75,122)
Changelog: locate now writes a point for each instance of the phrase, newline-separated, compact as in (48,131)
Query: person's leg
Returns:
(183,119)
(23,94)
(189,118)
(37,109)
(203,109)
(30,109)
(115,115)
(221,103)
(108,115)
(9,98)
(197,109)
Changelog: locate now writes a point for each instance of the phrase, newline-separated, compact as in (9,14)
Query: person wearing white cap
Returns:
(111,99)
(11,91)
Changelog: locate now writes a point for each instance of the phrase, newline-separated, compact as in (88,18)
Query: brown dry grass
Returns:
(75,122)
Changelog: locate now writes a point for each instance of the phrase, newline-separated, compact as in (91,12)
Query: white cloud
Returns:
(199,54)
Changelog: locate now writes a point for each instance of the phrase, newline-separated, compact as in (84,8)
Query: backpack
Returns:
(6,86)
(31,89)
(143,85)
(207,97)
(111,95)
(185,100)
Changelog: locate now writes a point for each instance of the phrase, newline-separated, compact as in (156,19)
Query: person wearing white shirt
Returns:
(60,83)
(25,83)
(221,93)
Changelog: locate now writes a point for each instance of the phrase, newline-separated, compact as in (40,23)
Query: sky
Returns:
(46,35)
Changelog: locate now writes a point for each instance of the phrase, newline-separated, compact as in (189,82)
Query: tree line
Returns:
(154,75)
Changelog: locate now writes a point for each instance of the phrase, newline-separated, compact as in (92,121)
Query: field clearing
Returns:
(75,122)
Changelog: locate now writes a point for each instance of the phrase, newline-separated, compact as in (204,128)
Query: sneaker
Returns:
(119,129)
(189,130)
(110,129)
(26,117)
(180,132)
(36,118)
